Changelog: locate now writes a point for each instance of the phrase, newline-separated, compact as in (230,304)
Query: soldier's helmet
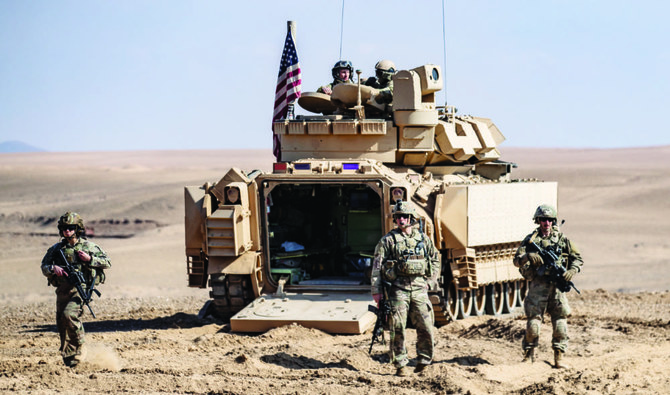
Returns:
(71,219)
(384,70)
(403,207)
(342,64)
(544,211)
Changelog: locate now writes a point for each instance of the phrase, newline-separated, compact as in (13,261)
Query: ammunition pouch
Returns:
(388,271)
(528,271)
(412,266)
(56,281)
(98,276)
(52,280)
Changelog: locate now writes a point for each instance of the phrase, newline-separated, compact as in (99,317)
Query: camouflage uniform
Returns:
(384,69)
(69,306)
(545,297)
(408,294)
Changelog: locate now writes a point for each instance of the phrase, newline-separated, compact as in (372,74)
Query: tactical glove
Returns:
(569,274)
(535,259)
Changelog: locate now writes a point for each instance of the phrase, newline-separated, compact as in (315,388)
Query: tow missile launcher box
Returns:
(296,245)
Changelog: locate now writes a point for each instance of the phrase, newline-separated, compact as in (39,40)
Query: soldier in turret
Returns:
(543,294)
(405,266)
(383,80)
(89,259)
(342,72)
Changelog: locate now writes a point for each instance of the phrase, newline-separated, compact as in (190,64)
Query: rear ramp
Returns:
(345,313)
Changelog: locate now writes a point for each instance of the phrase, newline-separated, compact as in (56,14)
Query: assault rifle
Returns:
(551,268)
(383,313)
(76,278)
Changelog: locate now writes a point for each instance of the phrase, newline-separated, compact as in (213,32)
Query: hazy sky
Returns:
(167,74)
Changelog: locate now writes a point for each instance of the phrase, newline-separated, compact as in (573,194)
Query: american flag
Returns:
(288,87)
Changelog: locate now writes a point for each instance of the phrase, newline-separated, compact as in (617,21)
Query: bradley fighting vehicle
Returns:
(296,245)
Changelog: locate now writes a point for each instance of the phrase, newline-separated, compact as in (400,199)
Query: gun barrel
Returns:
(376,332)
(573,286)
(91,310)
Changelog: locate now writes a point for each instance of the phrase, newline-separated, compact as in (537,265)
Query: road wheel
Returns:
(445,304)
(495,297)
(452,300)
(511,296)
(478,301)
(464,304)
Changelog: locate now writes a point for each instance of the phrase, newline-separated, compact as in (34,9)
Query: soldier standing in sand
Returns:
(89,259)
(543,295)
(406,259)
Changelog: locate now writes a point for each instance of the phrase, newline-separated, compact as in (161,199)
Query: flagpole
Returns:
(291,27)
(288,86)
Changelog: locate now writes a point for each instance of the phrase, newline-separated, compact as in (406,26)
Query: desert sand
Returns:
(147,337)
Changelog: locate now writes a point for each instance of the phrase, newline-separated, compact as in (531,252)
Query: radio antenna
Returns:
(444,39)
(341,29)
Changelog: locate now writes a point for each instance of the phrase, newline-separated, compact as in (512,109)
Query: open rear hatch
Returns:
(320,236)
(334,312)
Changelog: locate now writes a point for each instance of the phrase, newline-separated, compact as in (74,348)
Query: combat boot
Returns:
(81,354)
(70,362)
(420,367)
(559,362)
(402,371)
(529,355)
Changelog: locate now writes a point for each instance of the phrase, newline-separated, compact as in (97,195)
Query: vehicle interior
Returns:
(322,234)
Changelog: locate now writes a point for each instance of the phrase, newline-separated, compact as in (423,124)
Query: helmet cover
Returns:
(404,207)
(544,211)
(73,219)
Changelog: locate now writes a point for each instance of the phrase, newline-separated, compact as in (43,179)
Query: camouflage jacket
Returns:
(392,248)
(570,257)
(385,95)
(92,269)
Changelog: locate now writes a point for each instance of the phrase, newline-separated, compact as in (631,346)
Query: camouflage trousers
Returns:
(417,306)
(69,309)
(544,297)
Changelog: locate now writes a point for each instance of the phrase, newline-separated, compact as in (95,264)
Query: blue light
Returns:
(302,166)
(350,166)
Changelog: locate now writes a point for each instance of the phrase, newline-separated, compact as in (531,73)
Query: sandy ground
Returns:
(147,337)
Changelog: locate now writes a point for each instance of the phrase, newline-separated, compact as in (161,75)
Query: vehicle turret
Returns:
(412,131)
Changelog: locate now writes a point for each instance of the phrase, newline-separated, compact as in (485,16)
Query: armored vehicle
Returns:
(296,245)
